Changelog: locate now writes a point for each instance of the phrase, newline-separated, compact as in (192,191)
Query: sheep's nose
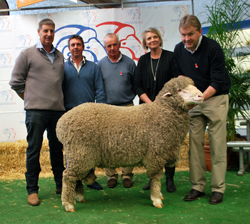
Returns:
(200,97)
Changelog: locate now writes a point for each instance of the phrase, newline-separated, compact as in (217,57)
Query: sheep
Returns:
(149,135)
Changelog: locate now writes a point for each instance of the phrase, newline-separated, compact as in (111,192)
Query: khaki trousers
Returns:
(126,171)
(211,113)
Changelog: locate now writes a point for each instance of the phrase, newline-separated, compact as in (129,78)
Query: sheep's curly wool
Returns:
(101,135)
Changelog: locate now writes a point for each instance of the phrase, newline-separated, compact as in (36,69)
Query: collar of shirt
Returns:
(50,55)
(40,46)
(199,43)
(120,57)
(80,64)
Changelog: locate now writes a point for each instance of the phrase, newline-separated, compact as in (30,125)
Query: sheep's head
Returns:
(181,89)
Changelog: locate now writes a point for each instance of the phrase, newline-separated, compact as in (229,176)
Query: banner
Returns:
(22,3)
(20,32)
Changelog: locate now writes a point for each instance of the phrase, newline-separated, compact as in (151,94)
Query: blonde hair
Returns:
(143,37)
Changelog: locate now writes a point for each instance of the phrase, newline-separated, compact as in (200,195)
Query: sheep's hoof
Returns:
(68,207)
(71,210)
(159,206)
(79,197)
(161,196)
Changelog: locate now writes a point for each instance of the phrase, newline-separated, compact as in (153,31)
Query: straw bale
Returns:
(206,138)
(13,160)
(183,163)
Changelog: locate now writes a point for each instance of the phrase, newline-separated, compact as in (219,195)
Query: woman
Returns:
(154,69)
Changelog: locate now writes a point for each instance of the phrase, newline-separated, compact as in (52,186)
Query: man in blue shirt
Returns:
(82,81)
(118,74)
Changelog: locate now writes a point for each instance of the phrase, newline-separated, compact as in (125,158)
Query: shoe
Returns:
(193,195)
(112,183)
(216,198)
(33,199)
(95,186)
(147,186)
(127,183)
(59,191)
(170,185)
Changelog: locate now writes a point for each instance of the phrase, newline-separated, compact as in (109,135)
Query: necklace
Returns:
(154,73)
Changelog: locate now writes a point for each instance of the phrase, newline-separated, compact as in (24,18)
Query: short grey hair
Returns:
(111,35)
(46,21)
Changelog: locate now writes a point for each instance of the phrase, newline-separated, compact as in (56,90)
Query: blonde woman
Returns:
(154,69)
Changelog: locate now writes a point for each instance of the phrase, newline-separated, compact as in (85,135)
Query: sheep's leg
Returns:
(155,190)
(89,179)
(68,191)
(79,191)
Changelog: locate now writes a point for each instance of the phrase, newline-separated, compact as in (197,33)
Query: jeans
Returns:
(37,121)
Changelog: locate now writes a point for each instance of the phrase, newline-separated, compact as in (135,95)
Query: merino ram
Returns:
(149,135)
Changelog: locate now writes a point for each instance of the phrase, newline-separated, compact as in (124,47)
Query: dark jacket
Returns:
(143,81)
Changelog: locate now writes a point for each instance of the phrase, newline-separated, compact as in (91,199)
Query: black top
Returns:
(206,66)
(144,80)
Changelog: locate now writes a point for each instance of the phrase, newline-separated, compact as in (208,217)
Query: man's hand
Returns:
(21,95)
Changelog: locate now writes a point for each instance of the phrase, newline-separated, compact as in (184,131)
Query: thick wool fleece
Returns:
(101,135)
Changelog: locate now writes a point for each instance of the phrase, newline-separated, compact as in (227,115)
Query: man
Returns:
(82,81)
(118,74)
(202,59)
(37,78)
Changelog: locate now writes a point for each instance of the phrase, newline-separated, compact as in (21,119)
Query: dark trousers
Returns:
(37,121)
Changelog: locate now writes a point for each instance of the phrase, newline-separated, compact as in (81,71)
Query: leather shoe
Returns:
(216,198)
(193,195)
(33,199)
(112,183)
(95,186)
(127,183)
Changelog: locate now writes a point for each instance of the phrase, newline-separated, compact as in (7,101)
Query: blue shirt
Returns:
(50,55)
(83,87)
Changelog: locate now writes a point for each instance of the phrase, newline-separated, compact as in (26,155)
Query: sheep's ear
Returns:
(167,95)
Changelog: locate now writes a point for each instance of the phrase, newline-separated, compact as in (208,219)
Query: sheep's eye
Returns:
(179,90)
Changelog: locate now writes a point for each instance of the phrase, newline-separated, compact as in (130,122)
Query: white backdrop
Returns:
(19,32)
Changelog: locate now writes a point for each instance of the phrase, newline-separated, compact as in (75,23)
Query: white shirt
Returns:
(199,43)
(80,64)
